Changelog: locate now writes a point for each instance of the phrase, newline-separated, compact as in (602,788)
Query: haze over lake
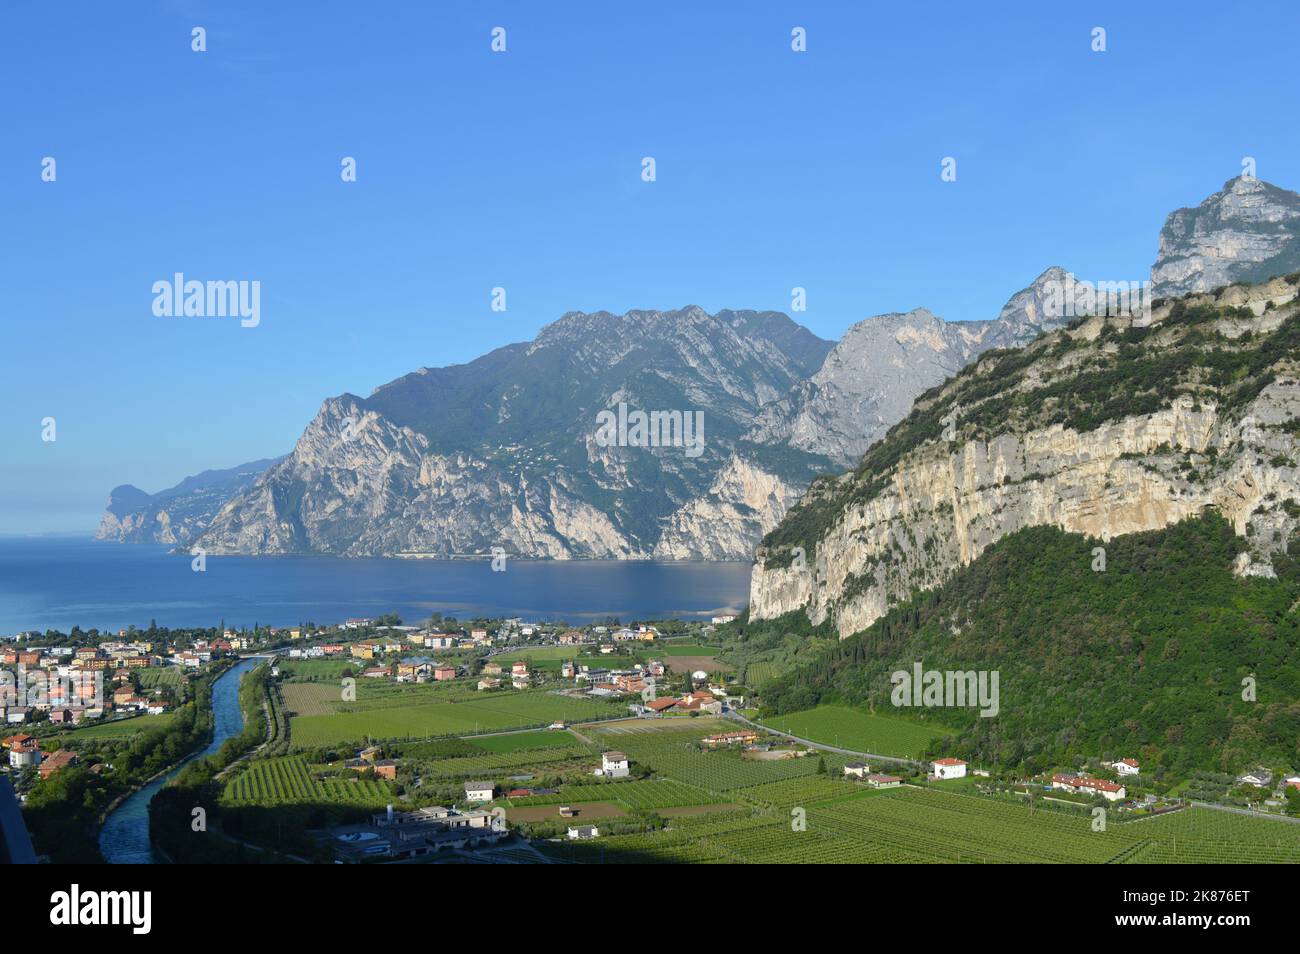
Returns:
(63,582)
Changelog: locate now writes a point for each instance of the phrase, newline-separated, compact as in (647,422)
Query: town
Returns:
(373,741)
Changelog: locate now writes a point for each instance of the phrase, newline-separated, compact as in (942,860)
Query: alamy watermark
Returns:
(179,298)
(933,688)
(624,428)
(1081,299)
(39,688)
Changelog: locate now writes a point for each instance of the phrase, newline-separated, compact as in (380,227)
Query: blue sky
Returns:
(522,170)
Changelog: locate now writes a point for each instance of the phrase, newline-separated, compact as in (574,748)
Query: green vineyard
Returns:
(916,825)
(643,795)
(268,783)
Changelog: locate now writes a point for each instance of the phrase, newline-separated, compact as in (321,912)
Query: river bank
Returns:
(124,834)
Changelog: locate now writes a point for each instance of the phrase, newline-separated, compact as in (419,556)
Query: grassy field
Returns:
(858,731)
(688,649)
(418,715)
(290,781)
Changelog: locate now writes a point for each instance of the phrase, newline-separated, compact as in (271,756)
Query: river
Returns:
(124,839)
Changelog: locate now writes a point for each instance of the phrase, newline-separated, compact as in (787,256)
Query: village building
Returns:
(614,765)
(1082,784)
(948,768)
(55,761)
(479,791)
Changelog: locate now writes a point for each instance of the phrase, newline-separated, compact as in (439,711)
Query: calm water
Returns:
(61,582)
(124,839)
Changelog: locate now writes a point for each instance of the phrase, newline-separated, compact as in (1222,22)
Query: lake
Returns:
(61,582)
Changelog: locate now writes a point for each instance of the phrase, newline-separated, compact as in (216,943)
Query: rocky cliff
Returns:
(507,450)
(504,452)
(1247,232)
(869,380)
(1111,426)
(178,514)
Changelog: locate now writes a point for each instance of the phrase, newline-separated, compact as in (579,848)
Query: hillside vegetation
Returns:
(1146,658)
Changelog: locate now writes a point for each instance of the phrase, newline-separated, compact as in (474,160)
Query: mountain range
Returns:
(503,451)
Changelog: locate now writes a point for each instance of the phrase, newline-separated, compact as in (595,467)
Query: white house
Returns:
(24,757)
(1128,767)
(1260,778)
(948,768)
(582,832)
(479,791)
(857,769)
(614,764)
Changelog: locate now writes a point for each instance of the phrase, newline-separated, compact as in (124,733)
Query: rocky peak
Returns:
(1248,231)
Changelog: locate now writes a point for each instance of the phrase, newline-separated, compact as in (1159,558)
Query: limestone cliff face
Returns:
(743,503)
(502,452)
(1247,232)
(872,537)
(868,382)
(178,514)
(357,484)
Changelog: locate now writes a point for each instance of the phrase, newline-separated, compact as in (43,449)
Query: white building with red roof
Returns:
(948,768)
(1111,791)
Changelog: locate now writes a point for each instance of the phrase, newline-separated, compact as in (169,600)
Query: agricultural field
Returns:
(121,728)
(490,763)
(267,783)
(687,649)
(542,657)
(859,731)
(311,698)
(162,677)
(323,670)
(524,741)
(927,826)
(757,673)
(1202,835)
(682,664)
(643,794)
(427,713)
(669,748)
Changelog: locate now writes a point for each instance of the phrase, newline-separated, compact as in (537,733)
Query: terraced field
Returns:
(288,781)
